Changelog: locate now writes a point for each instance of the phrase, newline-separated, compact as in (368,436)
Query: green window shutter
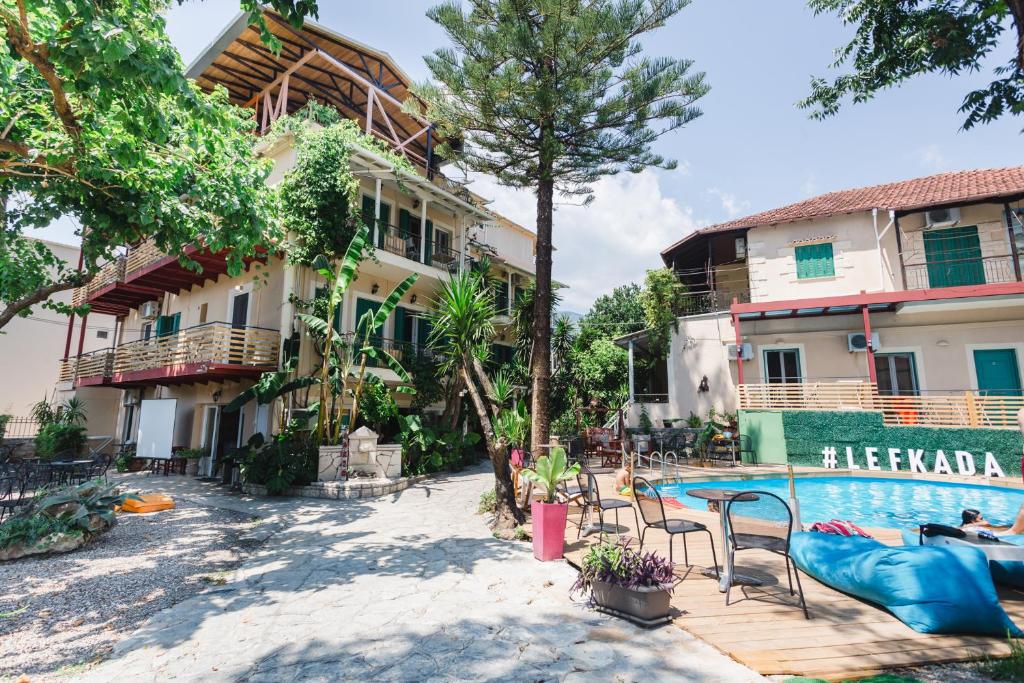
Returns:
(404,221)
(430,241)
(369,204)
(175,323)
(815,260)
(400,323)
(162,325)
(423,332)
(385,223)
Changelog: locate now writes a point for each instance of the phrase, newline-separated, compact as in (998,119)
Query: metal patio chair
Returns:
(592,500)
(761,521)
(12,492)
(652,511)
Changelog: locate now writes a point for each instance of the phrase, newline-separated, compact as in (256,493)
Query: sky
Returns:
(751,150)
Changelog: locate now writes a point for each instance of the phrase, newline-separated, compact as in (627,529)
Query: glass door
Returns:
(897,374)
(782,366)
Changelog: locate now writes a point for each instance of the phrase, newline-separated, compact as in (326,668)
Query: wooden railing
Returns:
(135,258)
(966,409)
(94,364)
(212,343)
(140,256)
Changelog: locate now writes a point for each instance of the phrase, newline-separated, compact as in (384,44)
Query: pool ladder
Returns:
(662,460)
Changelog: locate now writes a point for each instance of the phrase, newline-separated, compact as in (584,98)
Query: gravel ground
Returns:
(58,613)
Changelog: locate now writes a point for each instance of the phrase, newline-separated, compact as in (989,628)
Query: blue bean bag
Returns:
(930,589)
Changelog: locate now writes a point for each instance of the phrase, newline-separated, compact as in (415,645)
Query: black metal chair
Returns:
(761,521)
(746,446)
(652,511)
(12,494)
(591,495)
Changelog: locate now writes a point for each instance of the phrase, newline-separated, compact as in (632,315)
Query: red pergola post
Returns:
(81,333)
(870,347)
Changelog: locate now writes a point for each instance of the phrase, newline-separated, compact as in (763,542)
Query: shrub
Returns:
(488,502)
(33,530)
(4,419)
(83,509)
(59,438)
(289,459)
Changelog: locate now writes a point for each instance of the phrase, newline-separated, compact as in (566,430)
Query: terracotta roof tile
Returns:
(958,187)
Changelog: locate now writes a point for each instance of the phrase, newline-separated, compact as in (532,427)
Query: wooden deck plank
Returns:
(765,629)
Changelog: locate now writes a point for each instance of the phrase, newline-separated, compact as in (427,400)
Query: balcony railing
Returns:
(959,272)
(96,364)
(959,409)
(214,343)
(404,243)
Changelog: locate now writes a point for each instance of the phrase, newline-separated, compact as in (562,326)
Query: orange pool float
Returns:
(151,502)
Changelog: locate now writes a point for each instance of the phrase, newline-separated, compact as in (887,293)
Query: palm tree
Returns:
(461,335)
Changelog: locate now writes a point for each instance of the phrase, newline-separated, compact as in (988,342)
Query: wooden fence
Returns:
(962,409)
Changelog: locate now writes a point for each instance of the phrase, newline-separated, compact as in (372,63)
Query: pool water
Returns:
(888,503)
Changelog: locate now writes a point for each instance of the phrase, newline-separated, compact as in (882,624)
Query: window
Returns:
(782,366)
(814,260)
(204,309)
(101,334)
(897,375)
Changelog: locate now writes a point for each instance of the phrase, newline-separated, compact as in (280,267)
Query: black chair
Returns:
(746,445)
(652,511)
(761,521)
(12,495)
(592,500)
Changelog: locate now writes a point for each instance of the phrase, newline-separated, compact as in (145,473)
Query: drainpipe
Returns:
(376,214)
(1015,255)
(632,395)
(872,373)
(878,241)
(423,230)
(899,247)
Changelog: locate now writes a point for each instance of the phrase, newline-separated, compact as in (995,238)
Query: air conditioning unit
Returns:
(858,341)
(941,218)
(130,398)
(746,351)
(150,310)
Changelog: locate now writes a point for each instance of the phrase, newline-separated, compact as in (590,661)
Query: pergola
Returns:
(853,304)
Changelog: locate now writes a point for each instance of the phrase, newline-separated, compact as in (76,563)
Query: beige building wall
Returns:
(32,347)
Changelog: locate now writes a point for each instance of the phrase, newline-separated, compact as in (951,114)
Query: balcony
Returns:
(407,244)
(205,353)
(936,409)
(143,273)
(960,272)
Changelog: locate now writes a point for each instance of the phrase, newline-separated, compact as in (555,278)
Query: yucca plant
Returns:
(551,470)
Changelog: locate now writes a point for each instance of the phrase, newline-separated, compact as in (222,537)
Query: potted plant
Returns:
(192,457)
(548,515)
(622,582)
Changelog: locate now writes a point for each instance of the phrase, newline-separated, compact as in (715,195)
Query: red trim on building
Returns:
(187,374)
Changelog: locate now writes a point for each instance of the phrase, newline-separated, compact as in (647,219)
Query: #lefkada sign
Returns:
(963,463)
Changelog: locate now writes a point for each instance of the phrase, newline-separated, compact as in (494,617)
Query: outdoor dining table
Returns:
(68,466)
(721,497)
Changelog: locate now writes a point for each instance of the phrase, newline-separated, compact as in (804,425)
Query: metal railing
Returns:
(968,271)
(960,409)
(407,244)
(21,428)
(650,398)
(211,343)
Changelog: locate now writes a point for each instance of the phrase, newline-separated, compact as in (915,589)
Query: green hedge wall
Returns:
(808,432)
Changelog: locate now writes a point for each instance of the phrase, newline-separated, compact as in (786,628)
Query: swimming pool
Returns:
(890,503)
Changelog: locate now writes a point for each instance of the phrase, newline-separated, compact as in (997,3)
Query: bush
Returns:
(488,502)
(616,564)
(58,438)
(83,509)
(290,459)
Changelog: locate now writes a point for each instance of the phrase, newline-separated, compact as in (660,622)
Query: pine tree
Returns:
(552,95)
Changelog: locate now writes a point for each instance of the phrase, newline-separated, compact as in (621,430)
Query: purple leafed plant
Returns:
(616,564)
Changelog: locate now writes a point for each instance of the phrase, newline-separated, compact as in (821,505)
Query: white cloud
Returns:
(932,158)
(612,241)
(732,206)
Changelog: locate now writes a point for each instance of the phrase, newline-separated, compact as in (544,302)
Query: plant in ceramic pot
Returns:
(548,515)
(625,583)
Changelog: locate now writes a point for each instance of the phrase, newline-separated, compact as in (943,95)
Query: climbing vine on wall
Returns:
(319,195)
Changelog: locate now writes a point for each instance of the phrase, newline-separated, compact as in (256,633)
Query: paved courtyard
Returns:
(410,587)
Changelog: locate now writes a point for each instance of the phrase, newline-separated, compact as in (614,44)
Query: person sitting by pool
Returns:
(974,520)
(623,478)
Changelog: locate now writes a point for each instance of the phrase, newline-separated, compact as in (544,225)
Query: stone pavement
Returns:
(410,587)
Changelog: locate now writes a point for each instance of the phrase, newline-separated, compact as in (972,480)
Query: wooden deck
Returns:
(764,627)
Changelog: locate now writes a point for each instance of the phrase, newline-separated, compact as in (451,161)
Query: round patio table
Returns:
(67,467)
(722,496)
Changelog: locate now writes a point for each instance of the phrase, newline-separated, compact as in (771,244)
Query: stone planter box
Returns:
(333,463)
(192,467)
(642,606)
(342,490)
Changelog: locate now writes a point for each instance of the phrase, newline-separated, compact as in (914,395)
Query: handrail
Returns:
(964,409)
(216,342)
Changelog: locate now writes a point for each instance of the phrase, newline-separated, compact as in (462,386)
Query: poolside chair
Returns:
(761,521)
(591,495)
(652,510)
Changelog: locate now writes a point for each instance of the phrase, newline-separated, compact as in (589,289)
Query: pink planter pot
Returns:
(548,529)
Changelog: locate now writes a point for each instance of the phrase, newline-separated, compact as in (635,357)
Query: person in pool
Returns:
(973,519)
